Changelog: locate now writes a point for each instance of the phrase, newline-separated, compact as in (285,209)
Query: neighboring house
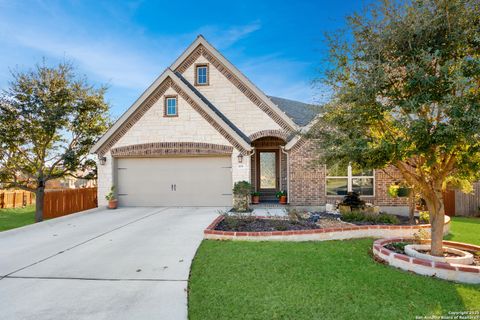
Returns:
(202,125)
(70,182)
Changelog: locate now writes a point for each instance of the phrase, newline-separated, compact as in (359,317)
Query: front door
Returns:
(268,173)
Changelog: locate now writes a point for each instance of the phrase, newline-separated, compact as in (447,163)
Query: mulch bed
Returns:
(258,225)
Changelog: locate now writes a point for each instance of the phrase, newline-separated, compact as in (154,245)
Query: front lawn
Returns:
(317,280)
(465,229)
(14,218)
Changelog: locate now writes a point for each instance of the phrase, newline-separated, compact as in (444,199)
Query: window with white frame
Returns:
(342,179)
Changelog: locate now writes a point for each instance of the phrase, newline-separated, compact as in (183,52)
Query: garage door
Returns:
(189,181)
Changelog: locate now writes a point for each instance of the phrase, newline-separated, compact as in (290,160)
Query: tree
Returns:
(49,120)
(405,77)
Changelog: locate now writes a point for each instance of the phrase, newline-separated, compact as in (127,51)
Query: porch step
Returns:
(268,196)
(268,204)
(270,212)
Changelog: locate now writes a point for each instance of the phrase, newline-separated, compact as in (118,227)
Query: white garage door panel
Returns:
(189,181)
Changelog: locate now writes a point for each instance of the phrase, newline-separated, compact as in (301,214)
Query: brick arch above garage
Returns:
(171,148)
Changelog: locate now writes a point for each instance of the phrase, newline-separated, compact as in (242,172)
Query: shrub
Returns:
(236,220)
(359,216)
(241,192)
(354,216)
(387,218)
(352,199)
(424,217)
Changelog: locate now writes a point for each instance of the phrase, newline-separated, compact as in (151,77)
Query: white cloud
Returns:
(224,38)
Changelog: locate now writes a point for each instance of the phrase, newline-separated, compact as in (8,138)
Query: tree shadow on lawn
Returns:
(313,280)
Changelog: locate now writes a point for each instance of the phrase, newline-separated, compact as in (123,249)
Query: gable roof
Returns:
(214,109)
(118,126)
(301,113)
(201,41)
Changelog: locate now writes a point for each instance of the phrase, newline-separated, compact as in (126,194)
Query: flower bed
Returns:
(448,271)
(320,234)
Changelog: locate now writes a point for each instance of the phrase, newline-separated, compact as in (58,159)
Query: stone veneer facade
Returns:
(148,132)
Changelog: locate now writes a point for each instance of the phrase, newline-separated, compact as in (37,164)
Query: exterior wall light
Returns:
(102,160)
(240,158)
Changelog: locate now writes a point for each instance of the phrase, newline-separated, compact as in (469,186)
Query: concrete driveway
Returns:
(129,263)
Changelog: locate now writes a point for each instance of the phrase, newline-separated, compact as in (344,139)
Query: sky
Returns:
(278,45)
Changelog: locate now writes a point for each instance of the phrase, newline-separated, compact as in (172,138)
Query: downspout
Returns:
(282,148)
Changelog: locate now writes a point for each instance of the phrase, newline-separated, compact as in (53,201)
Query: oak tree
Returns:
(49,120)
(406,93)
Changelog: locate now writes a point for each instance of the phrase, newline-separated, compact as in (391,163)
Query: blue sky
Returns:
(127,44)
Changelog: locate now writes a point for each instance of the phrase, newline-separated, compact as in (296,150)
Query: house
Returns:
(202,125)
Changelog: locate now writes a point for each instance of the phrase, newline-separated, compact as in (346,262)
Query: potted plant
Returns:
(403,191)
(397,190)
(282,197)
(112,201)
(255,197)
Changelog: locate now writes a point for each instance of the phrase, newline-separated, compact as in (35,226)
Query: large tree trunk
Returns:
(437,217)
(39,201)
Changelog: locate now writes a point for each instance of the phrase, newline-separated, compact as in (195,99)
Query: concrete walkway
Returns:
(129,263)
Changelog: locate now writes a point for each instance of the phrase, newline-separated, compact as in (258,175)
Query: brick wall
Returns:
(307,185)
(307,181)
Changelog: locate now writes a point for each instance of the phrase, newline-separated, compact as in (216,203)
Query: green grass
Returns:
(318,280)
(14,218)
(465,229)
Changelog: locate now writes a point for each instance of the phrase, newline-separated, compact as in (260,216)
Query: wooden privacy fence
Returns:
(67,201)
(16,198)
(468,204)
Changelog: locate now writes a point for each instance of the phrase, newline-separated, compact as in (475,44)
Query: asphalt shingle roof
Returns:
(301,113)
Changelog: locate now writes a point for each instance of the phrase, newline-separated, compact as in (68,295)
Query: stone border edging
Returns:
(443,270)
(351,232)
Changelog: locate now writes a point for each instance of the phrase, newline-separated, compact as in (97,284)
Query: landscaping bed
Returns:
(398,247)
(248,223)
(315,220)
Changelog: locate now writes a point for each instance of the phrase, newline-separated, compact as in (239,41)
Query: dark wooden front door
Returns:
(268,173)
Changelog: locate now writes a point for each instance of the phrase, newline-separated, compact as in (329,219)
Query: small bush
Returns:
(359,216)
(424,217)
(352,199)
(354,216)
(241,192)
(387,219)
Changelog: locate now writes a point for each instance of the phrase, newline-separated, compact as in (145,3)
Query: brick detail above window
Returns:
(171,148)
(202,51)
(269,133)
